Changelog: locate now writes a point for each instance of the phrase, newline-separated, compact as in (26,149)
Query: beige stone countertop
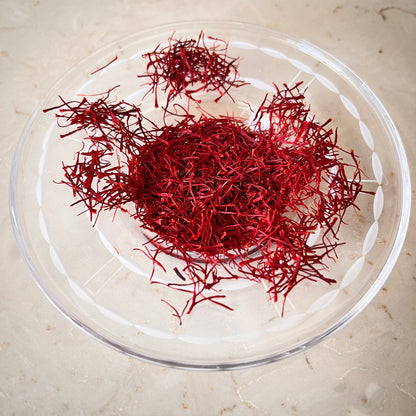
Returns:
(49,367)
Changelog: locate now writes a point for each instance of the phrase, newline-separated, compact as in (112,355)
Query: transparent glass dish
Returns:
(94,276)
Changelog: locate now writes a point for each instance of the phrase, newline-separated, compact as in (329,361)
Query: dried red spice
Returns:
(219,191)
(233,198)
(104,66)
(190,66)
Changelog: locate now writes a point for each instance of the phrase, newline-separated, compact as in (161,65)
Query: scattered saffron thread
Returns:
(105,66)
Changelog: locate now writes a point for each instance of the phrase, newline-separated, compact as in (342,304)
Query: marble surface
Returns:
(47,366)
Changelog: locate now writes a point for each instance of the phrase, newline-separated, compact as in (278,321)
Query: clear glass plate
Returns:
(96,279)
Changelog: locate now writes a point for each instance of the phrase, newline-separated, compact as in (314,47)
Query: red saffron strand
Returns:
(104,66)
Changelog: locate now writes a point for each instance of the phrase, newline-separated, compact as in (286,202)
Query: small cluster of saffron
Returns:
(231,198)
(186,67)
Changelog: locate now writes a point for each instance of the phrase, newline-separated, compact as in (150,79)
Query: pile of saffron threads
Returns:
(232,198)
(186,67)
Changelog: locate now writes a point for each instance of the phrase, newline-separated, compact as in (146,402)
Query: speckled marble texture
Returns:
(49,367)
